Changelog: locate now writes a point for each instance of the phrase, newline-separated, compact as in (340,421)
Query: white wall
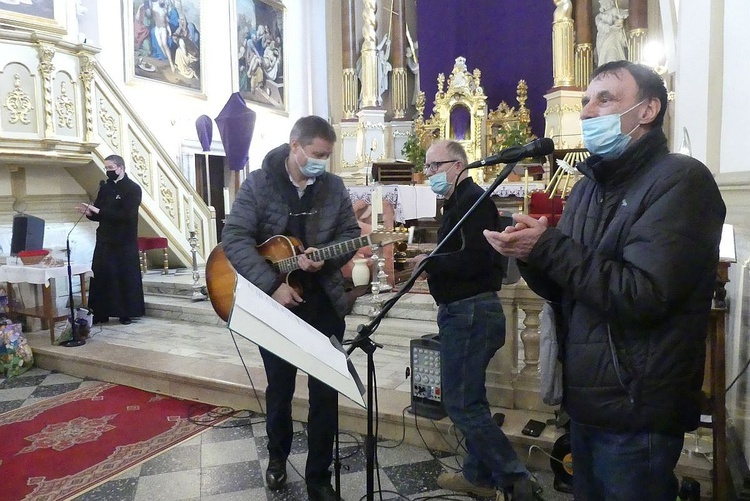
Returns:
(171,112)
(735,126)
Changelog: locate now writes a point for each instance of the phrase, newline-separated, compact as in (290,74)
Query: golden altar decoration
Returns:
(485,133)
(462,99)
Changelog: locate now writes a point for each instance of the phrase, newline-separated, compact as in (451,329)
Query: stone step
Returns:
(177,289)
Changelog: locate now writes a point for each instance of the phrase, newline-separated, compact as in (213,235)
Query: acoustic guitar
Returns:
(281,252)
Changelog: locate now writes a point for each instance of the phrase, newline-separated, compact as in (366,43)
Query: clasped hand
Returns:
(518,240)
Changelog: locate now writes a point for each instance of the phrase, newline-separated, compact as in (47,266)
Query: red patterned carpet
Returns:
(65,445)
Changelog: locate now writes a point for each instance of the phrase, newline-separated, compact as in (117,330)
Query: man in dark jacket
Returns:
(292,194)
(631,269)
(116,287)
(464,279)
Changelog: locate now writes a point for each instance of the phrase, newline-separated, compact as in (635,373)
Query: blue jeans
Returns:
(471,331)
(623,466)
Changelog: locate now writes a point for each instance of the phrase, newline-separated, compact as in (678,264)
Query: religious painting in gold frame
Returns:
(39,15)
(259,47)
(166,50)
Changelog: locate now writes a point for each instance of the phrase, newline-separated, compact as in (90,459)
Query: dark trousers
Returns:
(322,418)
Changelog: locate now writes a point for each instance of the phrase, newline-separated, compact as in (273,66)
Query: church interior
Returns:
(193,94)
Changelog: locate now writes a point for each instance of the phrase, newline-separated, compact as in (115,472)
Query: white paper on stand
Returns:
(260,319)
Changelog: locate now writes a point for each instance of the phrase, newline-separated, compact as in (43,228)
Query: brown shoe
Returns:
(458,483)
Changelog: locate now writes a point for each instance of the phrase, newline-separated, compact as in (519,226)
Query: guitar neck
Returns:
(290,264)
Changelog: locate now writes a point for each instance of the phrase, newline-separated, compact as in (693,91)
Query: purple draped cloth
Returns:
(204,126)
(236,123)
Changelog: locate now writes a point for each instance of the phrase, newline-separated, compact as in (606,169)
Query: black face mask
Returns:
(112,175)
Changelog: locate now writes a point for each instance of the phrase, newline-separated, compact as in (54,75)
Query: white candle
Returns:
(191,208)
(227,205)
(377,205)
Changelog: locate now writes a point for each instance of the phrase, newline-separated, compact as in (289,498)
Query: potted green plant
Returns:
(415,153)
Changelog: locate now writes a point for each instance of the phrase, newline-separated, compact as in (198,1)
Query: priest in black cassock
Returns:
(116,287)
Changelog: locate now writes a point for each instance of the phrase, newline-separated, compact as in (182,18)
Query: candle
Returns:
(191,208)
(377,205)
(227,205)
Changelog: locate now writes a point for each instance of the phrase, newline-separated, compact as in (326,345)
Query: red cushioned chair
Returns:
(149,243)
(540,204)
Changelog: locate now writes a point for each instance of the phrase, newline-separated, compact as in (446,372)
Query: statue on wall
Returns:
(412,61)
(384,66)
(611,40)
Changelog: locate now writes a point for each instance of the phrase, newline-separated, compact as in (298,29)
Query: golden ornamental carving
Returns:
(86,63)
(65,108)
(18,103)
(348,134)
(87,67)
(46,53)
(562,109)
(139,162)
(109,123)
(463,90)
(167,197)
(508,126)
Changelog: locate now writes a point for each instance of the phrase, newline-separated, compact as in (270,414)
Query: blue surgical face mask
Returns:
(314,166)
(603,135)
(439,183)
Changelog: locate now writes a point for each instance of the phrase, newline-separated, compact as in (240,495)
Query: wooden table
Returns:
(37,275)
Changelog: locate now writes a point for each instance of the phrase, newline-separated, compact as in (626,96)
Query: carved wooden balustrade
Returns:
(59,109)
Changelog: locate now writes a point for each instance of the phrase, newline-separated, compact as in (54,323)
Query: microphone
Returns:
(536,148)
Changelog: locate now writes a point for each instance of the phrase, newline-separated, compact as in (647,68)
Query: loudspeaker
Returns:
(426,385)
(28,234)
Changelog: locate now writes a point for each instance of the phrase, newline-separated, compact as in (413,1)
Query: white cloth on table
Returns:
(39,274)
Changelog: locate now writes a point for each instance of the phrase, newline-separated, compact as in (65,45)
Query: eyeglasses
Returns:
(432,167)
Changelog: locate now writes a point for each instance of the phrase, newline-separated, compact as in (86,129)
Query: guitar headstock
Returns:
(386,237)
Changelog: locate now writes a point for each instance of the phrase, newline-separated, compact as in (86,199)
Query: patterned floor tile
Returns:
(228,461)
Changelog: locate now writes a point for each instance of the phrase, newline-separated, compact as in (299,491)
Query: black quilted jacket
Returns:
(260,212)
(632,265)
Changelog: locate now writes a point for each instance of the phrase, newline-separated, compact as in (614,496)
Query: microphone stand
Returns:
(75,340)
(364,342)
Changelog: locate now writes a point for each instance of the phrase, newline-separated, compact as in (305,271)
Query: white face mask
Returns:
(314,166)
(603,135)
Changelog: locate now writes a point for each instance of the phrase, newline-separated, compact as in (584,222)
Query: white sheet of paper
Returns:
(292,339)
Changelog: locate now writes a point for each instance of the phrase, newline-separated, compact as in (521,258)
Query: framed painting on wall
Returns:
(163,42)
(260,52)
(45,15)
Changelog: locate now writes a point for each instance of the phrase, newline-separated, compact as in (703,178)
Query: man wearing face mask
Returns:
(464,280)
(116,287)
(292,194)
(630,270)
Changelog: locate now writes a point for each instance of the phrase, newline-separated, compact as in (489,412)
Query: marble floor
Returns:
(183,349)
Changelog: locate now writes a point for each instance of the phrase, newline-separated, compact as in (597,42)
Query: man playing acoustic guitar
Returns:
(292,194)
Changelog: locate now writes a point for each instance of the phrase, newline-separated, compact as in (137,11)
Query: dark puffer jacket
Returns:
(260,212)
(632,265)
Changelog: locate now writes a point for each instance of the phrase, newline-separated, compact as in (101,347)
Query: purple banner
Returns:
(506,40)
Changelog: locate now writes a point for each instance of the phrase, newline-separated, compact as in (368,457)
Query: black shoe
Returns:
(526,489)
(322,492)
(125,321)
(276,474)
(100,320)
